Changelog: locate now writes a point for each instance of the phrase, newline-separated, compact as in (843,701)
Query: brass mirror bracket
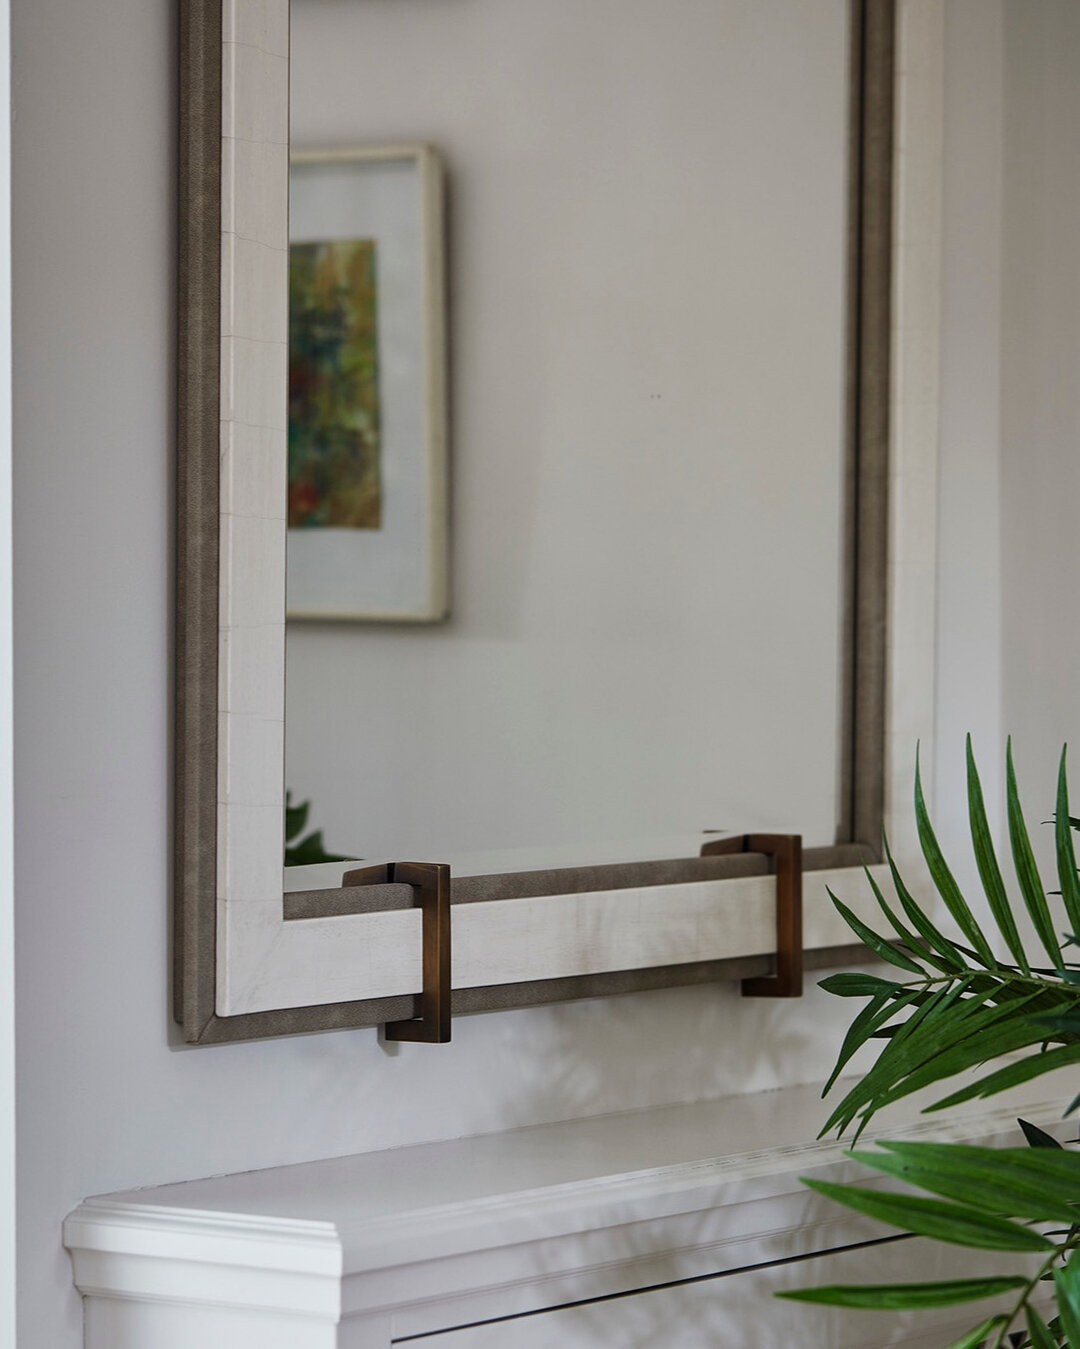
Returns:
(431,882)
(786,850)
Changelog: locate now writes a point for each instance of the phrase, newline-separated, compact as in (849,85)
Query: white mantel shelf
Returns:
(360,1252)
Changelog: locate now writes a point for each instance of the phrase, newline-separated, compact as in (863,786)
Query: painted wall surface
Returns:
(1008,650)
(7,868)
(1040,393)
(108,1098)
(969,618)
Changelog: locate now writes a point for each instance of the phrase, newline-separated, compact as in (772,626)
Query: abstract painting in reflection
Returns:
(334,442)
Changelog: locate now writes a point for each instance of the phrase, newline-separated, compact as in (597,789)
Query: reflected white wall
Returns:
(646,233)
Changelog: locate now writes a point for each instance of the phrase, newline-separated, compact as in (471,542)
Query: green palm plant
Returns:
(306,850)
(954,1006)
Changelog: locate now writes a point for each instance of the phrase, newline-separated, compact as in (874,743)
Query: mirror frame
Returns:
(250,961)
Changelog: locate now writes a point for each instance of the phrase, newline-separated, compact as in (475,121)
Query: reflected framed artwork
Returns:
(367,490)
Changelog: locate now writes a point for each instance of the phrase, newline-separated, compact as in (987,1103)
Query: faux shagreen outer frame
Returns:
(865,629)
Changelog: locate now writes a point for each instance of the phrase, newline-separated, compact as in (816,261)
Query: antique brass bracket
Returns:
(431,882)
(786,849)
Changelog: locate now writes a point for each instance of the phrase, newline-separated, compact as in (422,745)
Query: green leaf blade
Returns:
(942,1038)
(989,1179)
(987,863)
(295,817)
(977,1336)
(1068,1302)
(885,949)
(908,940)
(1012,1075)
(1036,1137)
(1066,856)
(1027,872)
(935,1218)
(919,920)
(906,1296)
(848,984)
(944,880)
(1037,1330)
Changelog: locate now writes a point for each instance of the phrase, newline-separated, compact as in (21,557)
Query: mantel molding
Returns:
(417,1239)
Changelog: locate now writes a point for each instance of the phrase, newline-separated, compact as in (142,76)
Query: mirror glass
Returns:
(645,242)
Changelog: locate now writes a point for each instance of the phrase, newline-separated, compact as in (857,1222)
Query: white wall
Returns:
(969,617)
(107,1097)
(7,871)
(1040,393)
(1008,645)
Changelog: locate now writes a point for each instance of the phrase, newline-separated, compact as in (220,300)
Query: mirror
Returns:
(642,355)
(647,228)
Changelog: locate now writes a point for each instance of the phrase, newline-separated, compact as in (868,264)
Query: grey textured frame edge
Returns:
(866,508)
(198,430)
(197,508)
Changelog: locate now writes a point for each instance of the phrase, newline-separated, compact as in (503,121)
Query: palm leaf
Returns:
(986,860)
(295,817)
(943,878)
(854,984)
(867,1024)
(1001,1032)
(887,950)
(1036,1137)
(1012,1075)
(1068,1302)
(944,1036)
(976,1337)
(1066,857)
(997,1180)
(908,940)
(905,1296)
(1027,873)
(943,1221)
(892,1064)
(1037,1330)
(961,1008)
(919,920)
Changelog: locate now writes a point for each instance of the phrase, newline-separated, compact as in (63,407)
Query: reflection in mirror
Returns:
(367,404)
(646,230)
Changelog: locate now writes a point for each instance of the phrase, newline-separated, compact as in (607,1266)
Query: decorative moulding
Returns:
(362,1249)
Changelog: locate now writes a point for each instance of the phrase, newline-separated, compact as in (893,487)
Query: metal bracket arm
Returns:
(431,882)
(786,850)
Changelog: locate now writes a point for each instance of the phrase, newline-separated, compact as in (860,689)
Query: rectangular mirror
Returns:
(672,586)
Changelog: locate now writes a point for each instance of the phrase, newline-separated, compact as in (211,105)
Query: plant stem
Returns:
(1025,1293)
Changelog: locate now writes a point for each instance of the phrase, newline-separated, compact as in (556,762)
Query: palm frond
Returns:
(1066,857)
(1027,873)
(952,1005)
(986,860)
(943,879)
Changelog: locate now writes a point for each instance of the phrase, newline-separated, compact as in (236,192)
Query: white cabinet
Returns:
(663,1227)
(739,1311)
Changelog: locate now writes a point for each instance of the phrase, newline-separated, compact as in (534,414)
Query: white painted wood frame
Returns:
(265,963)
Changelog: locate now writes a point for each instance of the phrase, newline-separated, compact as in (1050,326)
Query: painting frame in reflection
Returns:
(367,454)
